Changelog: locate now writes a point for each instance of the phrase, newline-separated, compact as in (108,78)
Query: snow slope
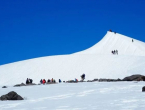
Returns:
(112,41)
(95,62)
(78,96)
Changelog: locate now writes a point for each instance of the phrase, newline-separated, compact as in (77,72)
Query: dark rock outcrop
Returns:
(90,81)
(95,80)
(82,81)
(11,96)
(51,83)
(4,87)
(143,89)
(118,79)
(71,81)
(22,84)
(135,78)
(19,85)
(108,80)
(31,84)
(103,80)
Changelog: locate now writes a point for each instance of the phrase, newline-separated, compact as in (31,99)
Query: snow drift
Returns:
(95,62)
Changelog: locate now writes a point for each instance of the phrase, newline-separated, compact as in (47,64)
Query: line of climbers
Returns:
(111,31)
(114,52)
(115,33)
(48,81)
(43,81)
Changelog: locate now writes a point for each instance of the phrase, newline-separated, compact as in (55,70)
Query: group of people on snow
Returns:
(48,81)
(43,81)
(111,31)
(114,52)
(76,80)
(29,81)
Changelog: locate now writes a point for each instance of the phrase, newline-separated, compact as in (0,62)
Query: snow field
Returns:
(78,96)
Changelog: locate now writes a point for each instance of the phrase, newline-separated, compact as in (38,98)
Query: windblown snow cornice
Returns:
(112,41)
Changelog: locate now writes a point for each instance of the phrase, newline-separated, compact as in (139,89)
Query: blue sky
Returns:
(36,28)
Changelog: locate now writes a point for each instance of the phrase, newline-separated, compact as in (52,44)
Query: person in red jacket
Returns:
(44,81)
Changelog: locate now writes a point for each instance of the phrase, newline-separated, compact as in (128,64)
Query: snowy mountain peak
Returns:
(95,62)
(114,41)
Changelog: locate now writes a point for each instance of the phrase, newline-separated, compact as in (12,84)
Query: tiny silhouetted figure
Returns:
(117,52)
(132,40)
(41,81)
(48,80)
(52,80)
(110,30)
(114,32)
(114,52)
(76,80)
(59,80)
(30,80)
(27,81)
(83,77)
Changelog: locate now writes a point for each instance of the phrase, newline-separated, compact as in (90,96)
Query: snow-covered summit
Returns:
(95,62)
(114,41)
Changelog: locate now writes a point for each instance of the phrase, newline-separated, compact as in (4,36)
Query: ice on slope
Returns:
(95,62)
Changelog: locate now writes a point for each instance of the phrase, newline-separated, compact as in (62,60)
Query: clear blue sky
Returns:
(36,28)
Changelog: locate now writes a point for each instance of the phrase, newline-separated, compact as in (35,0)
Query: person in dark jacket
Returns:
(59,80)
(41,81)
(83,77)
(30,81)
(117,52)
(48,80)
(112,52)
(27,81)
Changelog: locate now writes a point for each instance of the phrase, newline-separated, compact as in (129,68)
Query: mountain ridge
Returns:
(116,40)
(94,62)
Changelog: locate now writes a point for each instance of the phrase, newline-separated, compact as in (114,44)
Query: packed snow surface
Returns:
(95,62)
(78,96)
